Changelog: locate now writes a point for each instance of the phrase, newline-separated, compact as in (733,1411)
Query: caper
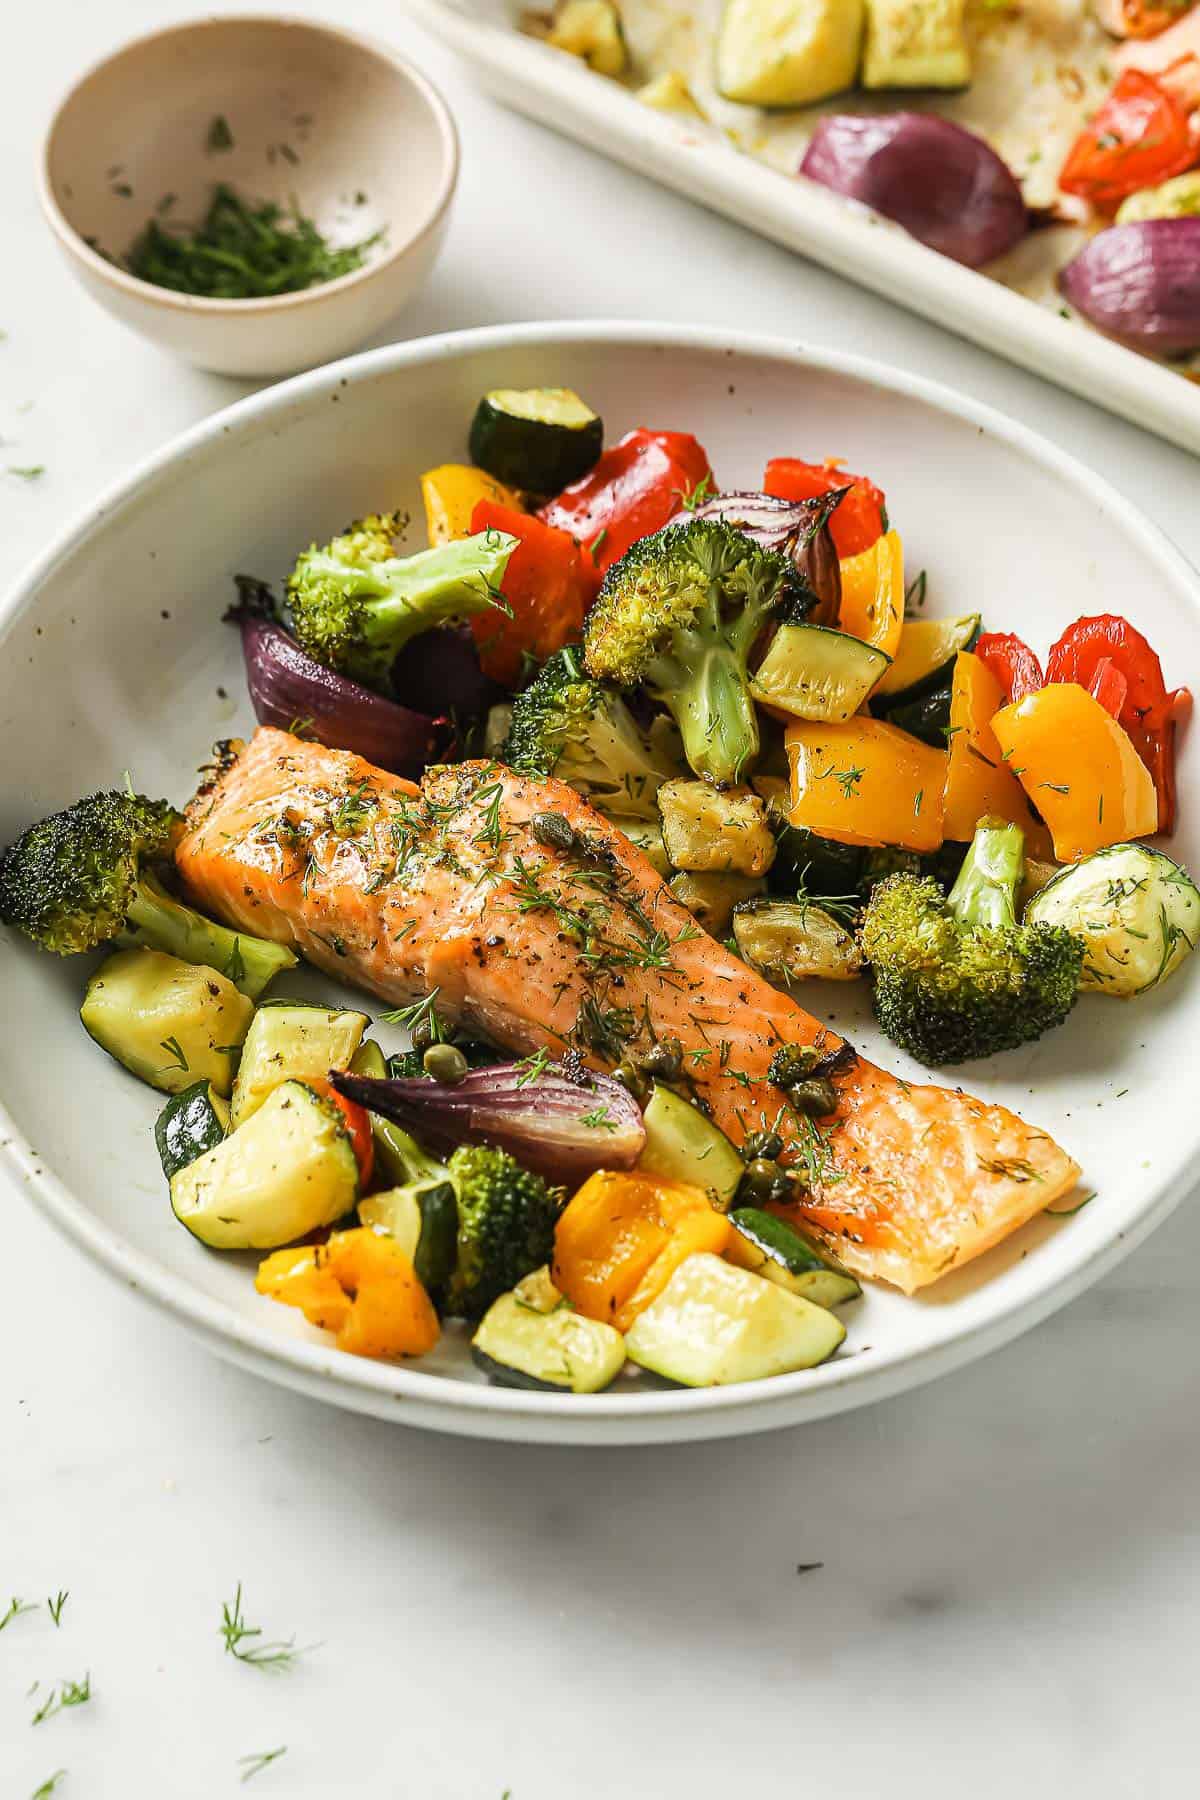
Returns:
(792,1063)
(632,1080)
(814,1097)
(553,830)
(445,1062)
(763,1181)
(662,1060)
(422,1034)
(766,1144)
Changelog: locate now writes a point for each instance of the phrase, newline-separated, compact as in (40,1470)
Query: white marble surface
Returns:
(1010,1559)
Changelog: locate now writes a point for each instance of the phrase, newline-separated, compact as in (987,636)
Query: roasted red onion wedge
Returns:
(289,689)
(941,182)
(796,528)
(559,1128)
(1141,283)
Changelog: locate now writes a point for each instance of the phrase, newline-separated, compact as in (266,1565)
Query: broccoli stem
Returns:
(985,891)
(160,922)
(715,715)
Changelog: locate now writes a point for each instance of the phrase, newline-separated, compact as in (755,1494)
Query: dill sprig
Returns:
(62,1695)
(55,1607)
(242,251)
(420,1018)
(239,1640)
(48,1786)
(16,1607)
(259,1760)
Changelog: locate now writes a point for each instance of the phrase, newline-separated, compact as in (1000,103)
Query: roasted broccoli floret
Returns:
(567,725)
(354,603)
(680,615)
(506,1215)
(85,877)
(957,977)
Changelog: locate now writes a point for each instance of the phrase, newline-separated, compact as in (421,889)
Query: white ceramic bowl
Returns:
(114,658)
(345,127)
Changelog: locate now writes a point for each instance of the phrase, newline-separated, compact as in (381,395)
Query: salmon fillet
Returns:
(449,887)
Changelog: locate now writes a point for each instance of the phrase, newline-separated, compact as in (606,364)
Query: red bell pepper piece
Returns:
(634,489)
(1109,687)
(1140,135)
(860,518)
(1149,712)
(1012,662)
(547,587)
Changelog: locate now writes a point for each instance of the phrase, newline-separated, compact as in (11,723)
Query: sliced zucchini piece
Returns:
(711,898)
(170,1023)
(424,1222)
(682,1145)
(648,838)
(710,831)
(927,648)
(796,940)
(523,1346)
(292,1041)
(916,44)
(670,93)
(191,1123)
(788,52)
(1178,198)
(772,1248)
(537,1290)
(714,1324)
(590,29)
(290,1170)
(815,672)
(926,715)
(1137,912)
(538,439)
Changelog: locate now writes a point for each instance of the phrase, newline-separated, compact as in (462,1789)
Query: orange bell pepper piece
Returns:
(866,782)
(1079,768)
(621,1238)
(451,492)
(361,1286)
(872,605)
(979,783)
(547,587)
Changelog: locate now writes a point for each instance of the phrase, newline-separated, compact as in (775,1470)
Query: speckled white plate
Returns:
(114,657)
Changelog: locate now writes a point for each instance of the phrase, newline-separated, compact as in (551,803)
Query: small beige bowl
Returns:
(348,129)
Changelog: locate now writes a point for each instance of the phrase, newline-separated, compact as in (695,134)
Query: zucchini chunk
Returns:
(424,1223)
(191,1123)
(538,439)
(796,940)
(927,650)
(711,898)
(682,1145)
(772,1248)
(553,1348)
(916,44)
(292,1041)
(780,53)
(170,1023)
(670,93)
(289,1171)
(1137,912)
(590,29)
(815,672)
(714,1324)
(710,831)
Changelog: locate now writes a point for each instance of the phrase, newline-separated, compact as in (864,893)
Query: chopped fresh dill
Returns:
(420,1017)
(241,251)
(48,1786)
(177,1054)
(847,779)
(27,471)
(693,497)
(55,1607)
(16,1607)
(259,1760)
(219,135)
(1014,1168)
(64,1694)
(238,1636)
(600,1119)
(533,1067)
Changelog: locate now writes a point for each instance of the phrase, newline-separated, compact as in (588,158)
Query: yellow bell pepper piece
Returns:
(621,1238)
(873,594)
(866,782)
(1079,768)
(979,783)
(451,492)
(361,1286)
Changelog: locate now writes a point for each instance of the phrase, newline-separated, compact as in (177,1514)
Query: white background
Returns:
(1009,1593)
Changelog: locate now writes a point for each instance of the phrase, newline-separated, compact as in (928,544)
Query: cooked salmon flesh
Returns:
(542,937)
